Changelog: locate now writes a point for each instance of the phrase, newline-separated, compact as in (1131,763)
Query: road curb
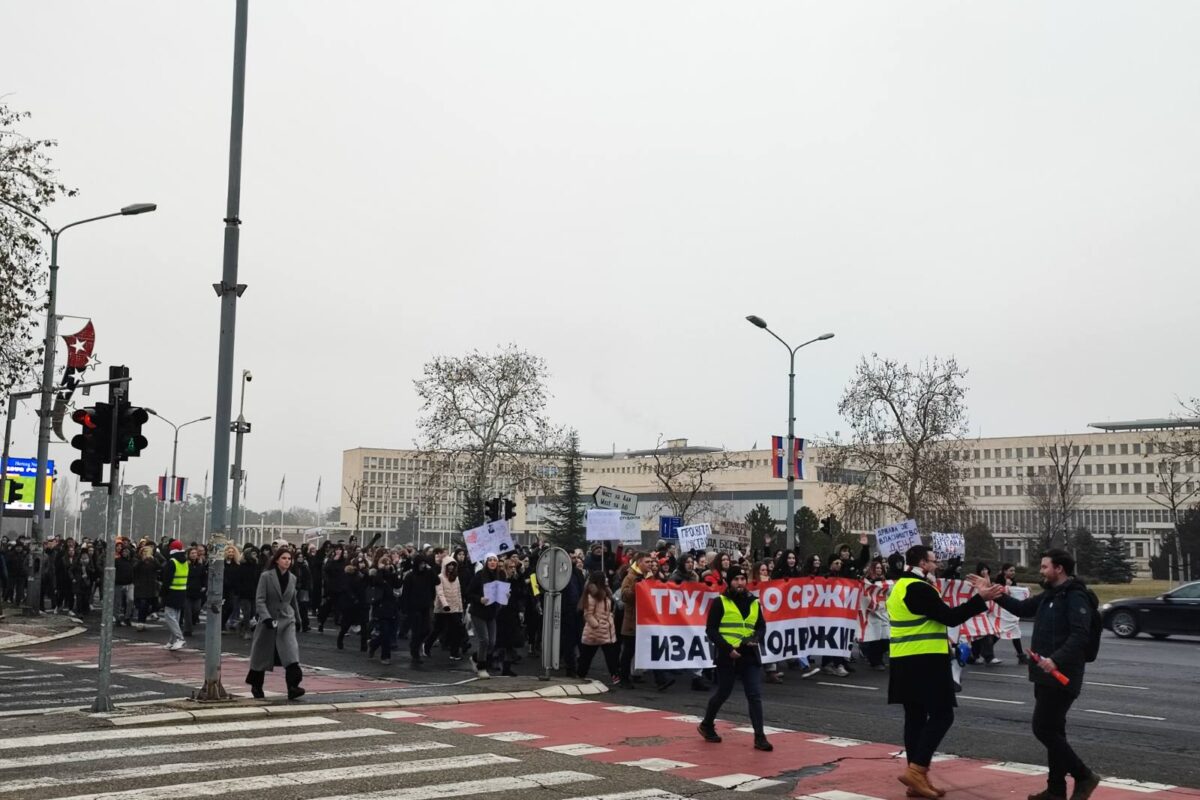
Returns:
(237,712)
(15,640)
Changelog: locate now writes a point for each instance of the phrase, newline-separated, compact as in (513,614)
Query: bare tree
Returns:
(686,481)
(906,425)
(1172,455)
(1054,493)
(484,426)
(355,493)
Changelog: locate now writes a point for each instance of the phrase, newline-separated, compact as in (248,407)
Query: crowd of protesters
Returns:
(431,602)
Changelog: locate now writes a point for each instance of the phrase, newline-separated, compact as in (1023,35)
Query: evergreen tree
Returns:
(1114,566)
(762,531)
(808,528)
(566,515)
(979,545)
(472,508)
(1088,552)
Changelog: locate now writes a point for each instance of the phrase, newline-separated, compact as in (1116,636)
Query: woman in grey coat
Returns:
(275,637)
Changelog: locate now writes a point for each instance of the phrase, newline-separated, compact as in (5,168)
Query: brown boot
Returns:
(915,779)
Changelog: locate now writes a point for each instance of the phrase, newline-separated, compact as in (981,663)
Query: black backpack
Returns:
(1096,626)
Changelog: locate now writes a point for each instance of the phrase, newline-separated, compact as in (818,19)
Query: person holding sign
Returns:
(920,677)
(736,627)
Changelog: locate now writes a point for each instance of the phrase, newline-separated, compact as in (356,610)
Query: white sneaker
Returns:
(176,646)
(808,673)
(995,662)
(482,673)
(140,626)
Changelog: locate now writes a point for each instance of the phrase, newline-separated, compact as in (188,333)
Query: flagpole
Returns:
(204,521)
(282,494)
(318,517)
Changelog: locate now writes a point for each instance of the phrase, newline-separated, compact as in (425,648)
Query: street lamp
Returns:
(174,453)
(33,598)
(759,322)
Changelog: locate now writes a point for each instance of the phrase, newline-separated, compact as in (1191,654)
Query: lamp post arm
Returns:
(82,221)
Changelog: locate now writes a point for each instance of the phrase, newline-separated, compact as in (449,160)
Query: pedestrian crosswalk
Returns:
(302,757)
(27,690)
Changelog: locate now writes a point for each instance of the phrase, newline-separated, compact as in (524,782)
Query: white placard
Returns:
(897,538)
(694,537)
(631,531)
(948,545)
(497,591)
(603,524)
(490,538)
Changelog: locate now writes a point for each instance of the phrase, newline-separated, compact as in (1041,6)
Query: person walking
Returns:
(736,627)
(146,579)
(416,601)
(275,635)
(483,613)
(123,580)
(384,609)
(639,568)
(599,629)
(1062,638)
(447,613)
(1008,577)
(174,593)
(919,649)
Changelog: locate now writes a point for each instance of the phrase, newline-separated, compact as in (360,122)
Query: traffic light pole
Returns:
(118,397)
(229,290)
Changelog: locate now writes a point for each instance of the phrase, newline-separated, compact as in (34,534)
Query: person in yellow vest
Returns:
(920,678)
(174,587)
(736,627)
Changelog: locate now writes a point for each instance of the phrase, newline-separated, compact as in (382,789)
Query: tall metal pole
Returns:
(240,428)
(43,448)
(118,396)
(228,290)
(791,459)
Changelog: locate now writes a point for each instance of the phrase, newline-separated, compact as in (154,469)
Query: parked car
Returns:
(1176,612)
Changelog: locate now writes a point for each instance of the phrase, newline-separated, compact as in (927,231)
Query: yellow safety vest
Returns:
(912,634)
(735,628)
(179,579)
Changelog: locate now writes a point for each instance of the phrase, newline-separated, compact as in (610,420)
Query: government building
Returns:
(1118,482)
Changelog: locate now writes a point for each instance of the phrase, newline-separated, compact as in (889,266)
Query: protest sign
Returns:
(733,537)
(948,545)
(803,617)
(497,591)
(603,524)
(897,538)
(694,537)
(490,538)
(631,531)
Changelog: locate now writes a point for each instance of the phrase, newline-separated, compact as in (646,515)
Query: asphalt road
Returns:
(1136,718)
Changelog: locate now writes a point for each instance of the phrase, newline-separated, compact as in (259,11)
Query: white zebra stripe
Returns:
(164,731)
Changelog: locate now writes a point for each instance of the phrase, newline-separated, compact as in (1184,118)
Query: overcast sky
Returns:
(614,186)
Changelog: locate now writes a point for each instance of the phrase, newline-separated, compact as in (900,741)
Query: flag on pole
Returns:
(180,489)
(318,491)
(282,483)
(779,457)
(162,488)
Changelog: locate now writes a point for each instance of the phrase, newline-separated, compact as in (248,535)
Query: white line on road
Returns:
(1117,685)
(148,770)
(174,748)
(991,700)
(164,731)
(55,692)
(1117,714)
(636,794)
(12,676)
(848,686)
(538,780)
(273,784)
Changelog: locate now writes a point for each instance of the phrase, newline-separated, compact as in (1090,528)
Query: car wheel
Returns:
(1159,635)
(1124,624)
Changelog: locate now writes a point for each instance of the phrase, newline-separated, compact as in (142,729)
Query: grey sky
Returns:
(615,186)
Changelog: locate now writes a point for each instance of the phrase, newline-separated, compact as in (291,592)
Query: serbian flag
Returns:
(180,490)
(779,457)
(162,488)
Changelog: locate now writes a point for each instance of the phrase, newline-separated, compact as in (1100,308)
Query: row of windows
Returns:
(1009,490)
(1134,468)
(987,454)
(1100,521)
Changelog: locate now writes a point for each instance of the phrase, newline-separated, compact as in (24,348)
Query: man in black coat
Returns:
(1061,632)
(416,599)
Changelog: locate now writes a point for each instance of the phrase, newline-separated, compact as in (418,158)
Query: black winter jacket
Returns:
(1062,626)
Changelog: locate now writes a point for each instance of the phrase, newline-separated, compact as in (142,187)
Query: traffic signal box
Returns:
(92,442)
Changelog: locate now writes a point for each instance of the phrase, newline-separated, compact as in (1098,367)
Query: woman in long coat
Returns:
(275,636)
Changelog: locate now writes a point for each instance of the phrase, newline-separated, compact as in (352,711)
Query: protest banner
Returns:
(948,545)
(897,538)
(490,538)
(733,537)
(603,524)
(954,593)
(694,537)
(1007,625)
(497,592)
(803,617)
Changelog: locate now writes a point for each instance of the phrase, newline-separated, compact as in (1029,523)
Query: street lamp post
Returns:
(33,599)
(175,452)
(759,322)
(240,427)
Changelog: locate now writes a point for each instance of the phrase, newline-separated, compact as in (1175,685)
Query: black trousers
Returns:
(1050,708)
(611,658)
(449,628)
(726,674)
(356,616)
(419,626)
(874,651)
(924,730)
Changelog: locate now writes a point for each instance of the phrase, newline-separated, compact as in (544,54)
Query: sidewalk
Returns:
(17,630)
(802,764)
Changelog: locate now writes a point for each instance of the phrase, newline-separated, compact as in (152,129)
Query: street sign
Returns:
(668,527)
(554,570)
(606,497)
(17,492)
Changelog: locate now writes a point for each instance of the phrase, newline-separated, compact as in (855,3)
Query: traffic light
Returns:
(492,509)
(92,442)
(14,491)
(130,442)
(510,509)
(827,526)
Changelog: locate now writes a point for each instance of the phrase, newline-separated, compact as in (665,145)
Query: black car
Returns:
(1176,612)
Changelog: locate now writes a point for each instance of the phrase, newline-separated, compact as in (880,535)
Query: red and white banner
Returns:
(1007,625)
(994,622)
(804,617)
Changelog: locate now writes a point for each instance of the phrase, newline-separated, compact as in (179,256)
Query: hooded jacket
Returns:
(449,592)
(420,584)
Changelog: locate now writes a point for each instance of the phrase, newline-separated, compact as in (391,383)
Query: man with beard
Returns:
(736,627)
(1062,636)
